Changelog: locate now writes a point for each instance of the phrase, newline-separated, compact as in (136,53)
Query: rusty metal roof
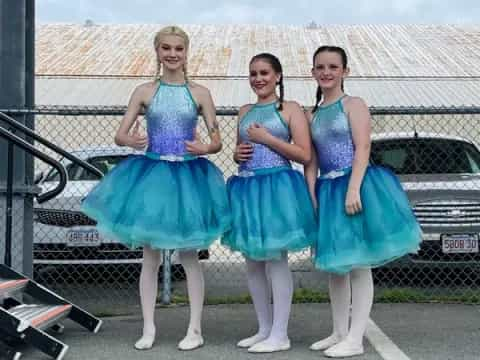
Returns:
(224,50)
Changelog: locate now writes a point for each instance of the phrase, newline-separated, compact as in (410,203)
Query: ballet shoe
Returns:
(252,340)
(145,342)
(344,349)
(326,343)
(191,342)
(266,346)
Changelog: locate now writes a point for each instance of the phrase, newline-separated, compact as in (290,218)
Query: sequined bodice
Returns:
(171,119)
(332,137)
(263,157)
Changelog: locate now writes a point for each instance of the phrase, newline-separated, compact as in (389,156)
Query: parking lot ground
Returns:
(396,332)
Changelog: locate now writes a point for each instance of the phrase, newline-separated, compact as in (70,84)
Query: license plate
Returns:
(83,238)
(459,243)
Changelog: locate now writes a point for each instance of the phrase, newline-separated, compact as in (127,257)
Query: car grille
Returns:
(431,251)
(101,252)
(449,216)
(63,218)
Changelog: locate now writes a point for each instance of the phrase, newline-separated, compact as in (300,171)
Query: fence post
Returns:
(17,40)
(167,277)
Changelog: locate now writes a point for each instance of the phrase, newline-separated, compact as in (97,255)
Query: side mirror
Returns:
(38,177)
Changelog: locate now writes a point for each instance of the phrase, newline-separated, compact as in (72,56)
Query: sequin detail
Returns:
(332,137)
(264,157)
(171,119)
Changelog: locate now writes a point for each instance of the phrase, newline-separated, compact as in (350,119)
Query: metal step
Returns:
(40,316)
(9,286)
(21,329)
(27,322)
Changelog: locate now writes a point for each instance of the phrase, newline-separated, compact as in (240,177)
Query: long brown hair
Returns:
(336,49)
(277,67)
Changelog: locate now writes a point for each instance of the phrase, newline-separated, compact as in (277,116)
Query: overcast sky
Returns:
(295,12)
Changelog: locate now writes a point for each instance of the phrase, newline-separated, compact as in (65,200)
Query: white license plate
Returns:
(459,243)
(83,238)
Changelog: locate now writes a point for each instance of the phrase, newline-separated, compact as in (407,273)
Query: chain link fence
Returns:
(433,151)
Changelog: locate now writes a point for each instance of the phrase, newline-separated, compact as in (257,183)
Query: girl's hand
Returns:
(136,139)
(258,134)
(197,148)
(353,203)
(243,152)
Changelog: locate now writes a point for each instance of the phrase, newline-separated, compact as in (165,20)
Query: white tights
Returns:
(355,288)
(149,288)
(272,320)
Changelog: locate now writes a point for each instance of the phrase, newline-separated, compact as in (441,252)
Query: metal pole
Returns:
(17,36)
(167,277)
(30,122)
(9,214)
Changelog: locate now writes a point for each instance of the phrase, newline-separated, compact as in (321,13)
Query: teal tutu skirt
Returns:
(162,204)
(384,230)
(271,213)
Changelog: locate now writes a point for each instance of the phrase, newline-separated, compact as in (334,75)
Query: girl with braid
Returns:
(364,216)
(171,197)
(271,209)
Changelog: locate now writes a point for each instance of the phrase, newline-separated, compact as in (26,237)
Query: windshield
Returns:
(426,156)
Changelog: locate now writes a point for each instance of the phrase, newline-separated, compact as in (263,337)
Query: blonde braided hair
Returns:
(170,30)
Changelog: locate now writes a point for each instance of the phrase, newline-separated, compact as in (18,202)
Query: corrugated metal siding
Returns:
(224,50)
(236,92)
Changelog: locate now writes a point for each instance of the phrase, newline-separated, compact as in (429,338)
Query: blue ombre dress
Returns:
(271,208)
(167,198)
(384,230)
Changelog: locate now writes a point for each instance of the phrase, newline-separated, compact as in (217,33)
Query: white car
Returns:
(441,175)
(63,235)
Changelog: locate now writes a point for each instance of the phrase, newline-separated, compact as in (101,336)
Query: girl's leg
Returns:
(362,299)
(340,296)
(196,295)
(260,292)
(148,296)
(282,291)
